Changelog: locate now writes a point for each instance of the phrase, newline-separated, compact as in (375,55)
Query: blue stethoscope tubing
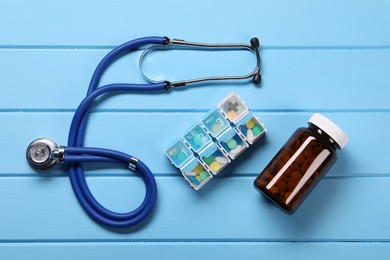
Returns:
(76,154)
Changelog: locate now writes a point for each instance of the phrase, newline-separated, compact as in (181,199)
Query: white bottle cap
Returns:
(330,128)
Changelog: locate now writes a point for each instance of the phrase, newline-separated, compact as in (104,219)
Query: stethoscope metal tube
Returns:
(253,47)
(43,153)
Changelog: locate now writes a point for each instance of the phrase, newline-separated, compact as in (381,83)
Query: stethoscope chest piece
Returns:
(40,153)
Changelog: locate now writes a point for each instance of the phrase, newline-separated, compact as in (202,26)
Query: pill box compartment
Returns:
(196,174)
(232,143)
(197,138)
(232,107)
(214,158)
(179,153)
(251,128)
(215,123)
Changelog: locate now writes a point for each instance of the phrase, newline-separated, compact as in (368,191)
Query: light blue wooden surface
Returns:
(329,56)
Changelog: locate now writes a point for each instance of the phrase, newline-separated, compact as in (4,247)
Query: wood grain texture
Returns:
(325,56)
(281,23)
(227,209)
(196,250)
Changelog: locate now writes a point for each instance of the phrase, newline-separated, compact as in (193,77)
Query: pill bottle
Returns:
(301,163)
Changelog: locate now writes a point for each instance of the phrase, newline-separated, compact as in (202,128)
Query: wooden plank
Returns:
(196,250)
(142,135)
(292,80)
(285,23)
(230,209)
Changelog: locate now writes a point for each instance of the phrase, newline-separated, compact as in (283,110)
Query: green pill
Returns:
(198,140)
(209,159)
(232,144)
(181,156)
(256,130)
(204,175)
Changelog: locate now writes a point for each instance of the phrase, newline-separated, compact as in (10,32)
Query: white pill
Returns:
(221,160)
(236,150)
(190,173)
(249,135)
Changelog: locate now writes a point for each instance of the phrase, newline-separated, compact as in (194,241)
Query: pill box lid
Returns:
(213,117)
(190,165)
(233,107)
(208,150)
(227,135)
(178,146)
(329,127)
(245,118)
(198,130)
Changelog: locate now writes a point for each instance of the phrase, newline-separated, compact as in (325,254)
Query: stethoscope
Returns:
(43,153)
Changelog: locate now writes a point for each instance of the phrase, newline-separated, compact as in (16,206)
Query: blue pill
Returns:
(224,145)
(194,180)
(243,129)
(238,139)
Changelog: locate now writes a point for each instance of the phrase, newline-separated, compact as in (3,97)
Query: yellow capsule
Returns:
(214,166)
(250,124)
(198,169)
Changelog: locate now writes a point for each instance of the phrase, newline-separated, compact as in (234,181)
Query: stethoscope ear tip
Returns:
(39,153)
(255,42)
(257,78)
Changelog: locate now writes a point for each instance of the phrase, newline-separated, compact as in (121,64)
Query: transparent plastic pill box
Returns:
(211,144)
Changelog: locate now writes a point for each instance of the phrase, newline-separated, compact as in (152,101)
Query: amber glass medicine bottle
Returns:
(301,163)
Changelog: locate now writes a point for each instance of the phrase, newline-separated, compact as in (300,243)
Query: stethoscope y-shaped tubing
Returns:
(80,154)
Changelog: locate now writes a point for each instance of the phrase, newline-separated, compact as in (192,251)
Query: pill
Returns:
(190,173)
(250,124)
(238,139)
(232,144)
(204,175)
(317,150)
(218,153)
(198,177)
(194,180)
(295,176)
(243,129)
(288,172)
(291,185)
(225,146)
(300,159)
(296,167)
(236,150)
(308,153)
(232,115)
(215,166)
(198,140)
(273,189)
(221,160)
(198,169)
(257,130)
(282,186)
(181,156)
(296,145)
(208,159)
(216,128)
(304,167)
(250,135)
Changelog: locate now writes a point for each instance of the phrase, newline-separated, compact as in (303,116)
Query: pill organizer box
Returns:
(211,144)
